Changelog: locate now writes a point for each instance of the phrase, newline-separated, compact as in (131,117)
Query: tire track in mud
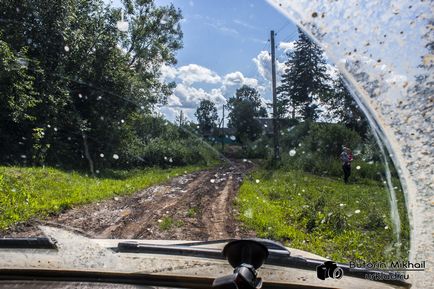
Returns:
(196,206)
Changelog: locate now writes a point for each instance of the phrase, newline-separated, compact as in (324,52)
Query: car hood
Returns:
(78,253)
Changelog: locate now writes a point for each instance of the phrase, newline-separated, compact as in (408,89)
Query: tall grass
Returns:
(321,215)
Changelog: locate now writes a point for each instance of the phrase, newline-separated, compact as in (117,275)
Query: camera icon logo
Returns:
(329,270)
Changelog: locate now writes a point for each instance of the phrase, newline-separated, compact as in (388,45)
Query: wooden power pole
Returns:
(273,77)
(223,129)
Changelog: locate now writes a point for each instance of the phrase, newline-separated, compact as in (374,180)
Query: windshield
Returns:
(207,120)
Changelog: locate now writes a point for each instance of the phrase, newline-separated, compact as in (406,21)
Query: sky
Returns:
(226,45)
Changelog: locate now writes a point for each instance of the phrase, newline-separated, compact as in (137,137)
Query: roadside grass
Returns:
(27,192)
(323,215)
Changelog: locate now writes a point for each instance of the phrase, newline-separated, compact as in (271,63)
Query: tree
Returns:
(305,79)
(244,108)
(206,115)
(344,108)
(90,79)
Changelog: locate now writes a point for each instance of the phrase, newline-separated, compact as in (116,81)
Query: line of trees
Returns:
(75,91)
(245,107)
(307,92)
(316,116)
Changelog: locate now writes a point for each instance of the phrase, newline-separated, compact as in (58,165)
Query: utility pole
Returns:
(223,129)
(275,124)
(181,118)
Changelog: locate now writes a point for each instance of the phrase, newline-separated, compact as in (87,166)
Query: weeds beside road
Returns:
(27,192)
(322,215)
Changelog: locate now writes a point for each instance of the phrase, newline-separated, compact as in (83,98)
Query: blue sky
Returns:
(225,46)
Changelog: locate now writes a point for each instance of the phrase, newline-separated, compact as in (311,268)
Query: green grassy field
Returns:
(27,192)
(322,215)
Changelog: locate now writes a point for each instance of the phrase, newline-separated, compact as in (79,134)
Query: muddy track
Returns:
(196,206)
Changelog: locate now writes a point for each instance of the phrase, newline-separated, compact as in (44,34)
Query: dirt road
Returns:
(196,206)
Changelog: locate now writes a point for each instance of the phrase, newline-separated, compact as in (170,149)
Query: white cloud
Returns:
(189,97)
(223,28)
(168,73)
(173,100)
(192,73)
(263,64)
(287,46)
(193,85)
(245,24)
(238,79)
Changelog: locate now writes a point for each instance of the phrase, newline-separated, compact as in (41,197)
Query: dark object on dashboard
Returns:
(245,256)
(26,243)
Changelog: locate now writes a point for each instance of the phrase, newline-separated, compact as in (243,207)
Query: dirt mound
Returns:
(196,206)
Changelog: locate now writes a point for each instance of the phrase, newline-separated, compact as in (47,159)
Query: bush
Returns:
(161,143)
(316,148)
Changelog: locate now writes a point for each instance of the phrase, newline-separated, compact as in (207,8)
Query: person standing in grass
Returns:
(346,158)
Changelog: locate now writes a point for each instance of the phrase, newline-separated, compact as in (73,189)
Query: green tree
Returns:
(206,114)
(305,79)
(90,79)
(18,99)
(344,108)
(244,108)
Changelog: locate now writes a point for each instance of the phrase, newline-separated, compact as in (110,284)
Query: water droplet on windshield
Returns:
(115,156)
(101,155)
(357,211)
(80,95)
(248,213)
(358,168)
(23,156)
(292,153)
(66,48)
(212,181)
(233,137)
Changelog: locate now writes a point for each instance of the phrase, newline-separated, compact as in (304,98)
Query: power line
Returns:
(290,36)
(286,23)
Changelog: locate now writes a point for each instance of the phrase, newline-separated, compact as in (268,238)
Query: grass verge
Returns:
(26,192)
(322,215)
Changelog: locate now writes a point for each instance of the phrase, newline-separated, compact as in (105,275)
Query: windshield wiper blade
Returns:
(26,243)
(276,256)
(271,245)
